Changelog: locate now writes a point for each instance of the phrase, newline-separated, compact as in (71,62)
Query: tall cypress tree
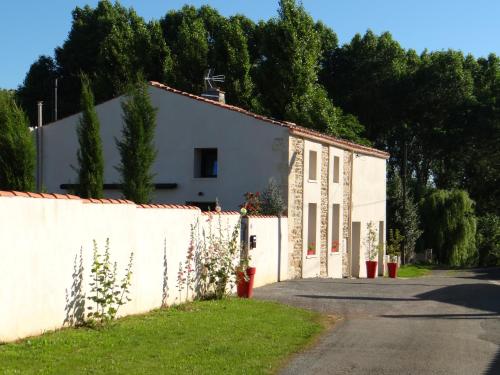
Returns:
(90,156)
(17,149)
(403,214)
(136,147)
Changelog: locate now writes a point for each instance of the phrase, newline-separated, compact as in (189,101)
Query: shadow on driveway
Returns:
(494,366)
(352,298)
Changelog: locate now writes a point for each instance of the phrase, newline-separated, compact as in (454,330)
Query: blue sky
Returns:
(30,28)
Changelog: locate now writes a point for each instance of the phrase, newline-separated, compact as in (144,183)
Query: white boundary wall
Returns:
(42,239)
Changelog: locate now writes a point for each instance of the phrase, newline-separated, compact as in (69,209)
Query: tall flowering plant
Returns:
(212,259)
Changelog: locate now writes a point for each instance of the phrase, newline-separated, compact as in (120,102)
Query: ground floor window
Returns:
(311,229)
(335,228)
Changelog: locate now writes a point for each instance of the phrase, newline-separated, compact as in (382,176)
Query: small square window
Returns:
(313,162)
(205,162)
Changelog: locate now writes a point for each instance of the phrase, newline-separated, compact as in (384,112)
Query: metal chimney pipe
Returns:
(39,148)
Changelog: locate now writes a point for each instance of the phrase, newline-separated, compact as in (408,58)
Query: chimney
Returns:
(214,94)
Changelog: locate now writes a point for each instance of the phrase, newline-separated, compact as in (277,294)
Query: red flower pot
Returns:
(241,285)
(371,268)
(393,270)
(244,288)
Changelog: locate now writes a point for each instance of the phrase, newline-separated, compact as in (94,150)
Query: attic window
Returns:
(205,162)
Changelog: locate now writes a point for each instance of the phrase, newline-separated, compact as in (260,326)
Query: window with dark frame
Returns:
(205,162)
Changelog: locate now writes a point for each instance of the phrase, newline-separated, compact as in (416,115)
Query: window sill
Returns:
(336,253)
(312,181)
(312,256)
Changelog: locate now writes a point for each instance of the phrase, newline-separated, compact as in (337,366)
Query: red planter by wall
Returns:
(393,270)
(244,288)
(241,285)
(251,276)
(371,268)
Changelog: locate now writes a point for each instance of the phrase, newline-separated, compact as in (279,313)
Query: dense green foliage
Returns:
(488,240)
(227,336)
(442,107)
(450,226)
(90,157)
(137,149)
(17,149)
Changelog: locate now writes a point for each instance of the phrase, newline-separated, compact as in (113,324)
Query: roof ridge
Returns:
(297,129)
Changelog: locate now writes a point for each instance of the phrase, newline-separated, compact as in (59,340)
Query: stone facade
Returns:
(325,157)
(346,180)
(295,206)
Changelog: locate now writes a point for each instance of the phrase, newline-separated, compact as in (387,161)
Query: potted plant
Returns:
(393,251)
(245,279)
(311,249)
(244,273)
(372,250)
(335,246)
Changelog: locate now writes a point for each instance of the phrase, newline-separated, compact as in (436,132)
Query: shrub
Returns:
(488,240)
(394,244)
(370,239)
(272,202)
(449,226)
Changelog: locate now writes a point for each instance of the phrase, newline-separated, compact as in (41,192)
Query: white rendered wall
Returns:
(369,201)
(250,151)
(41,241)
(270,257)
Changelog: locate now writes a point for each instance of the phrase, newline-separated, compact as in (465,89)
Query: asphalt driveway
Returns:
(446,323)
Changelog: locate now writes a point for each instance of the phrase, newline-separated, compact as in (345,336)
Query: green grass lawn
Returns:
(231,336)
(414,270)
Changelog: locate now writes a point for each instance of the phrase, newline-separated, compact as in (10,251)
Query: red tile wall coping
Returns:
(221,213)
(37,195)
(13,194)
(171,206)
(265,217)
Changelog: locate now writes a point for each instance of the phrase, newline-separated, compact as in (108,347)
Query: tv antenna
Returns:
(210,79)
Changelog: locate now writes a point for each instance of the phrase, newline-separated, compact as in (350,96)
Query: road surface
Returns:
(446,323)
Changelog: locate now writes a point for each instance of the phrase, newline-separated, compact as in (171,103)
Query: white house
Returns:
(208,149)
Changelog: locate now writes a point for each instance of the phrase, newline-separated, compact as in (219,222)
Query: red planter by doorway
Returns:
(371,268)
(244,288)
(393,270)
